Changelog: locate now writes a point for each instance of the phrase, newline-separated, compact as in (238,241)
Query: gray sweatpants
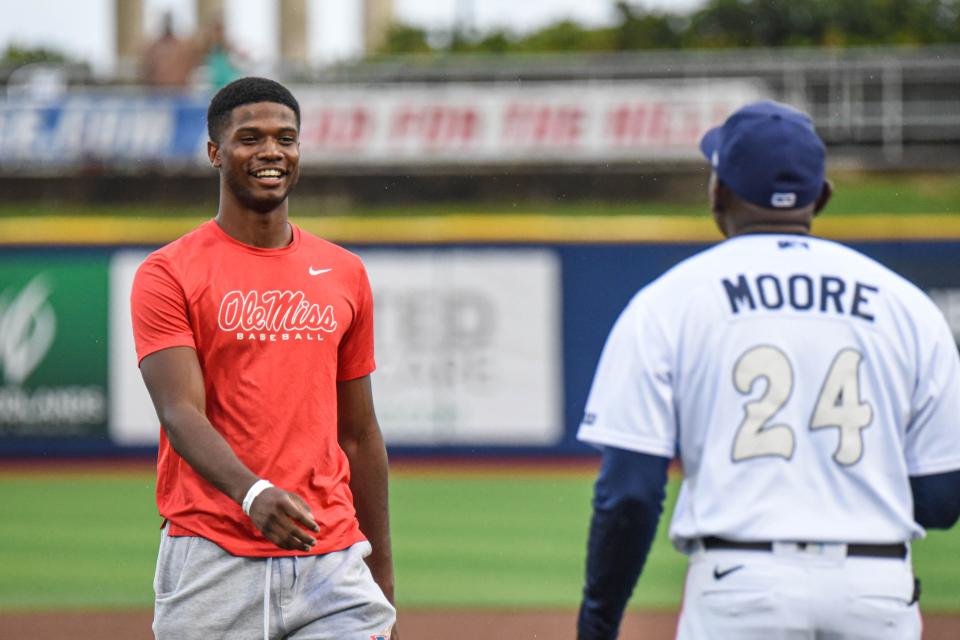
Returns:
(205,593)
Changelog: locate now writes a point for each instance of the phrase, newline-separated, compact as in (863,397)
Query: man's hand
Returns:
(282,518)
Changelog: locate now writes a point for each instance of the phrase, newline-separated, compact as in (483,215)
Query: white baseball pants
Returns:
(792,593)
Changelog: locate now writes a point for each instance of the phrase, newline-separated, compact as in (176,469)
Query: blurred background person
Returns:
(219,57)
(169,61)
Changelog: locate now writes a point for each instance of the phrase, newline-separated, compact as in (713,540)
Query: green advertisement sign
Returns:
(53,345)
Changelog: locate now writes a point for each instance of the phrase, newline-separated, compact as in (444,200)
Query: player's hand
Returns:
(284,519)
(395,634)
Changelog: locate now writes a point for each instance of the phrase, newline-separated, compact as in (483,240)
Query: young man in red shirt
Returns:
(255,340)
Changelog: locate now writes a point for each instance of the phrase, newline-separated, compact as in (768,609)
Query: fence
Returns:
(484,346)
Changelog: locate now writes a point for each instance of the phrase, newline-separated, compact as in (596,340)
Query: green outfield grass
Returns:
(460,540)
(855,194)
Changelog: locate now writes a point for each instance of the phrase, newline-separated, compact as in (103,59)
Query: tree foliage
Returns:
(720,24)
(17,56)
(403,38)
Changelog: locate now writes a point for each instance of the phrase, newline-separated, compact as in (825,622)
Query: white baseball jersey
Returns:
(800,382)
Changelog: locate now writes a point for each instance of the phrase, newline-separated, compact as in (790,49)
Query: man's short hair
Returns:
(245,91)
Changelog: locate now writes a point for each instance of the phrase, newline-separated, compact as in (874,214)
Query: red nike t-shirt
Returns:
(274,330)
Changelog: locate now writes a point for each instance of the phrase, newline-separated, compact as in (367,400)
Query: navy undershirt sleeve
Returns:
(936,499)
(628,500)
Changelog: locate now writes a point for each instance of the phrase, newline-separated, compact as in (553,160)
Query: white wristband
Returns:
(255,489)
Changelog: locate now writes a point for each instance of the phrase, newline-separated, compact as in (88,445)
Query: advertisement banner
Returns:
(478,348)
(53,336)
(504,123)
(349,125)
(92,128)
(468,346)
(133,420)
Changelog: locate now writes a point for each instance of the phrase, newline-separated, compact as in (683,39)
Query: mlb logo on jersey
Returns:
(379,636)
(793,244)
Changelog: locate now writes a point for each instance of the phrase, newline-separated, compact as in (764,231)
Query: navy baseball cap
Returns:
(768,154)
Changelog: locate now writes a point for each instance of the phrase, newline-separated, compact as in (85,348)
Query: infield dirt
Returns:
(414,625)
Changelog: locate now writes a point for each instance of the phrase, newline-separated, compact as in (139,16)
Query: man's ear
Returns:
(713,192)
(213,152)
(824,197)
(720,195)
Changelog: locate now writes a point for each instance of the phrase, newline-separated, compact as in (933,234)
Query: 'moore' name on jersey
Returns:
(800,292)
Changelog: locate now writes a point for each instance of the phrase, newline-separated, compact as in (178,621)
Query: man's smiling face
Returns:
(258,154)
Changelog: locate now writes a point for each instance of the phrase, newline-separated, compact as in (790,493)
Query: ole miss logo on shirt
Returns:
(274,315)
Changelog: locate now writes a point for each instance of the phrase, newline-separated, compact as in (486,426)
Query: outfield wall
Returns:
(484,345)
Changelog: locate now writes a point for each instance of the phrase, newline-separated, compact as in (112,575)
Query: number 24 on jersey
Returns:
(838,406)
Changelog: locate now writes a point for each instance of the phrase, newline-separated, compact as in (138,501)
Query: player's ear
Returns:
(213,152)
(824,197)
(719,201)
(715,193)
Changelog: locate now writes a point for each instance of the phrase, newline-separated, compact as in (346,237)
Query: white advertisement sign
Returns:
(133,421)
(531,122)
(468,345)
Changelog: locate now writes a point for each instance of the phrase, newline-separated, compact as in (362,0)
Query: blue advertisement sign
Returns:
(93,128)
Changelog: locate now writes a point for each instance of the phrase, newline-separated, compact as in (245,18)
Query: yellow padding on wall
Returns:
(104,230)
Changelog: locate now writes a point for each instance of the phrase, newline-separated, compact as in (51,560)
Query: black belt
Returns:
(864,550)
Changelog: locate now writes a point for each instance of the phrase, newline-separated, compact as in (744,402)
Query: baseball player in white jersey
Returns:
(813,398)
